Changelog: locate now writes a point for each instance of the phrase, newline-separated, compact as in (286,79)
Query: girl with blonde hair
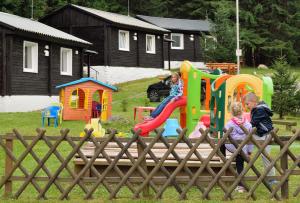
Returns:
(237,133)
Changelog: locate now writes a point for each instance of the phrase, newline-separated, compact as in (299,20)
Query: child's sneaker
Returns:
(240,189)
(272,182)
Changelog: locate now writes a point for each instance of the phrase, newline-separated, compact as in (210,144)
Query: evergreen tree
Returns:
(285,86)
(223,31)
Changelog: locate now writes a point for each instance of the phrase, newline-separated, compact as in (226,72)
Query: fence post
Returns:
(143,164)
(284,166)
(8,166)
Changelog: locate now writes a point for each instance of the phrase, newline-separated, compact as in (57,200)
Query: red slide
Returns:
(148,126)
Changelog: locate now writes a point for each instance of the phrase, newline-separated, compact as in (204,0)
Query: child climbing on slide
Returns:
(237,133)
(175,93)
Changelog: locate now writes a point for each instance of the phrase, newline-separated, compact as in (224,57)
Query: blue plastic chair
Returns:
(170,128)
(52,112)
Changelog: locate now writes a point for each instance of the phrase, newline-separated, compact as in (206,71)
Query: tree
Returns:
(223,31)
(285,88)
(269,29)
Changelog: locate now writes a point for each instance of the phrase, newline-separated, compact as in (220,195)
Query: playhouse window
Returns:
(178,41)
(77,99)
(150,44)
(123,40)
(65,61)
(30,57)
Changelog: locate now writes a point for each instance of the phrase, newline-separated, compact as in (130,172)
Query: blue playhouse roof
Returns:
(87,80)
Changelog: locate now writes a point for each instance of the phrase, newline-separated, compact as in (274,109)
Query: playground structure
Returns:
(229,88)
(86,98)
(221,91)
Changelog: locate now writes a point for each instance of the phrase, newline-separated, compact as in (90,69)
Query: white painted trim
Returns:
(34,56)
(181,41)
(116,75)
(127,38)
(154,44)
(177,64)
(25,103)
(69,61)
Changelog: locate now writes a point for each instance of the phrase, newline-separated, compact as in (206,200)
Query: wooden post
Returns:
(143,164)
(284,166)
(8,167)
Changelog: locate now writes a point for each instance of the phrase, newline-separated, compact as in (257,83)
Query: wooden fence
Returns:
(146,166)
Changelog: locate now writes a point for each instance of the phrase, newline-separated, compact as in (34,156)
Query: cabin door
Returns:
(104,111)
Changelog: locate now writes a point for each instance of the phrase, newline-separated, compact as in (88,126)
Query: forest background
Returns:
(268,28)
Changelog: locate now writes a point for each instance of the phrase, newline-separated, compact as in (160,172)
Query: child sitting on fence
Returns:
(237,133)
(175,92)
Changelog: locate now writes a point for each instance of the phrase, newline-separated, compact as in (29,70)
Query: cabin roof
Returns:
(32,26)
(121,19)
(82,80)
(178,24)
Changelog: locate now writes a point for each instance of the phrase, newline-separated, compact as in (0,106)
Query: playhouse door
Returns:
(104,113)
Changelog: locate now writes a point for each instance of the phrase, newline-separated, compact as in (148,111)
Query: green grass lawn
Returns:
(135,95)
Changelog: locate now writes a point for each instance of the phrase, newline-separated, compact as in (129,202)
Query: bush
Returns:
(124,105)
(146,102)
(285,88)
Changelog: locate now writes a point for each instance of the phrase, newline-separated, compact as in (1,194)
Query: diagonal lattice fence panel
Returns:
(144,166)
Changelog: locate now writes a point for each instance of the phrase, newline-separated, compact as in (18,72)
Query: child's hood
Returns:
(237,121)
(265,107)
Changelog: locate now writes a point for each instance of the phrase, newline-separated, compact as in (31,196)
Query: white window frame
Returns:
(153,51)
(34,57)
(181,40)
(69,61)
(127,42)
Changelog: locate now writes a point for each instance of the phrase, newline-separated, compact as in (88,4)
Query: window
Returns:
(150,44)
(65,61)
(123,40)
(178,41)
(30,57)
(78,99)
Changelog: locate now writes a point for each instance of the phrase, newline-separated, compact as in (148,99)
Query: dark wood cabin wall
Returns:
(23,83)
(191,51)
(94,35)
(2,41)
(199,49)
(81,25)
(104,37)
(70,17)
(119,57)
(148,59)
(57,78)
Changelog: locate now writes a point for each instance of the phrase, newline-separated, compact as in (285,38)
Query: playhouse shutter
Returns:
(86,100)
(77,98)
(62,96)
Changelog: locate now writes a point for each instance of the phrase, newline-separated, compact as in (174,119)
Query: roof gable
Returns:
(82,80)
(178,24)
(32,26)
(120,19)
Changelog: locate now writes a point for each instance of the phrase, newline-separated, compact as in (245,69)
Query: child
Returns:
(175,92)
(261,119)
(237,133)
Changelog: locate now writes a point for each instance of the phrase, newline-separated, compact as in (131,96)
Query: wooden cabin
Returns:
(184,41)
(86,98)
(120,40)
(34,58)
